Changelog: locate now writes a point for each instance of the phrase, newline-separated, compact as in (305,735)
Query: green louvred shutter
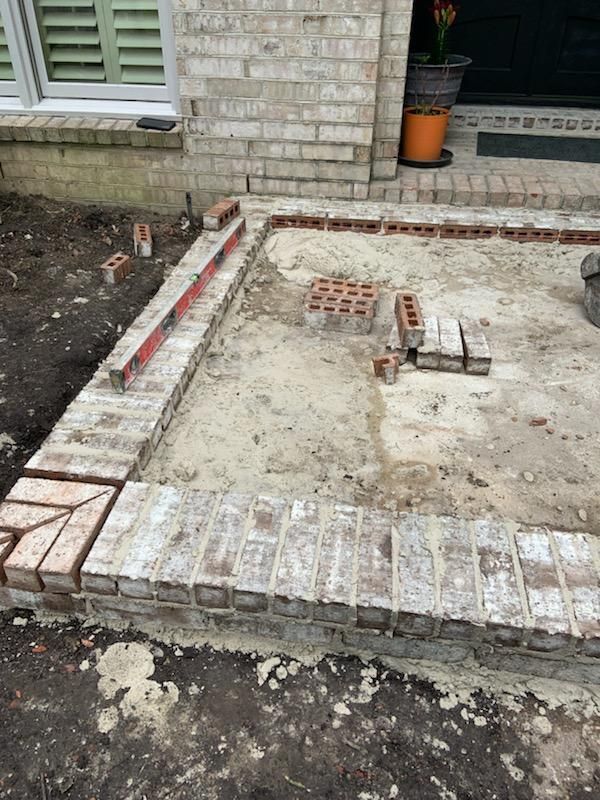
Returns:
(6,70)
(109,41)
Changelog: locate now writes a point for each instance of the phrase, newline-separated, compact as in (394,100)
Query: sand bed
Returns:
(279,408)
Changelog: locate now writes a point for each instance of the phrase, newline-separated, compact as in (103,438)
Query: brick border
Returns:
(337,576)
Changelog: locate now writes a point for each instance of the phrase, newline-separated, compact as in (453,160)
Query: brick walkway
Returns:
(473,180)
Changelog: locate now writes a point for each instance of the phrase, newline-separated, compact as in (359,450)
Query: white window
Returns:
(100,57)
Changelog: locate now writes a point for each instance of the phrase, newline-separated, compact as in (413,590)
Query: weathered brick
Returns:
(551,627)
(583,584)
(416,576)
(451,346)
(293,591)
(501,596)
(428,353)
(258,557)
(175,573)
(214,579)
(92,468)
(21,566)
(478,358)
(136,574)
(334,583)
(375,570)
(461,614)
(101,568)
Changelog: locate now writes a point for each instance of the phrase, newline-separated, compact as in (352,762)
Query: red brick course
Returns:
(528,234)
(298,221)
(356,225)
(449,231)
(411,228)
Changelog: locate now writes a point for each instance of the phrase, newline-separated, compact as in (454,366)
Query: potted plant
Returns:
(426,70)
(424,128)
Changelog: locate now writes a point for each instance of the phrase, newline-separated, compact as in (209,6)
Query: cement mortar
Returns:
(276,407)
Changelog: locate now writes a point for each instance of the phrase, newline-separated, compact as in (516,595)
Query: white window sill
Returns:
(112,109)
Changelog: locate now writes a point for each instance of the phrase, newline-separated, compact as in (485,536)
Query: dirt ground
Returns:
(57,318)
(281,408)
(94,714)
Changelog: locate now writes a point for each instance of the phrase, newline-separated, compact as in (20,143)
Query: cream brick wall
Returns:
(295,97)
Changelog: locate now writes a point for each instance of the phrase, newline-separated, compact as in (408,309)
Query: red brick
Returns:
(18,518)
(59,570)
(340,299)
(93,468)
(529,234)
(21,566)
(142,240)
(6,548)
(425,229)
(357,225)
(63,494)
(386,367)
(298,221)
(411,327)
(580,237)
(221,214)
(116,268)
(450,231)
(342,288)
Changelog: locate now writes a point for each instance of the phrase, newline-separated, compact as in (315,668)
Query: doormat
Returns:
(554,148)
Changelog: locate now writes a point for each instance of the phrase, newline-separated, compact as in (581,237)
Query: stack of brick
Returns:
(448,345)
(332,304)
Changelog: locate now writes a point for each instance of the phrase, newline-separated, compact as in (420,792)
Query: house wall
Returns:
(296,97)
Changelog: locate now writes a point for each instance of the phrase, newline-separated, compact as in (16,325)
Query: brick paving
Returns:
(473,180)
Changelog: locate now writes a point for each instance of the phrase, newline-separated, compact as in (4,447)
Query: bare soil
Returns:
(280,408)
(88,713)
(58,319)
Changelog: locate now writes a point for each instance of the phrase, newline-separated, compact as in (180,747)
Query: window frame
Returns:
(36,93)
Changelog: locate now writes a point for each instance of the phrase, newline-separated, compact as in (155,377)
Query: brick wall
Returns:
(296,97)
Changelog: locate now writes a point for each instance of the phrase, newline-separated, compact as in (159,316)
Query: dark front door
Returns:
(524,51)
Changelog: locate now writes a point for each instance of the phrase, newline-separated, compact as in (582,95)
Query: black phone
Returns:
(153,124)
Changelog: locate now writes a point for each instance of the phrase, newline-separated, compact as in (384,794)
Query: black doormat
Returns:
(554,148)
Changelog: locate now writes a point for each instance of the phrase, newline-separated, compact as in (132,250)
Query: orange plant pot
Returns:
(423,135)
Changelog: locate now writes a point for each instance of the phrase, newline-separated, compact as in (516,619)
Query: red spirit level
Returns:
(139,354)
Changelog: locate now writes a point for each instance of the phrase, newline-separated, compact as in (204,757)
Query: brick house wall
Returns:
(297,97)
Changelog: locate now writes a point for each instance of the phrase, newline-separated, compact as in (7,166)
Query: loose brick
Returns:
(358,225)
(116,268)
(395,346)
(258,557)
(136,575)
(551,627)
(478,358)
(386,367)
(451,346)
(293,591)
(410,228)
(409,319)
(375,570)
(501,596)
(142,240)
(428,353)
(338,319)
(213,582)
(416,573)
(21,566)
(352,289)
(341,299)
(59,570)
(101,567)
(334,584)
(221,214)
(180,554)
(577,562)
(458,590)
